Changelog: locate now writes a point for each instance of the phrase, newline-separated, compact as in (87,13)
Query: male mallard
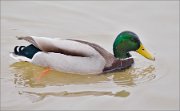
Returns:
(76,56)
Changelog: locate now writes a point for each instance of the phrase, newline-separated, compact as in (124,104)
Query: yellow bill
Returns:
(145,53)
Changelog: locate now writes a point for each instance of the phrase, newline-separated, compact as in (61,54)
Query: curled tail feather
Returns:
(28,51)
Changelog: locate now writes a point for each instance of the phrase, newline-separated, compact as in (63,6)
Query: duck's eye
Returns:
(142,49)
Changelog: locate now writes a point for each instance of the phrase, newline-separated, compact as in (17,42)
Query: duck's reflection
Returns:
(40,96)
(26,74)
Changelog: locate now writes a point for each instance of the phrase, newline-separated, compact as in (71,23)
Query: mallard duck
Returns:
(77,56)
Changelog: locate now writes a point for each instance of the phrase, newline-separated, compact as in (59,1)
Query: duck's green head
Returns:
(128,41)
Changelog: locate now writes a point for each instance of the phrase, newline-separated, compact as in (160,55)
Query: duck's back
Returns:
(73,56)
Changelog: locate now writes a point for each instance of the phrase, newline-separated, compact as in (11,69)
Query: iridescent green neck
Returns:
(119,49)
(121,54)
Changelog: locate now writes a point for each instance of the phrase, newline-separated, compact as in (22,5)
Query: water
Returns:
(146,85)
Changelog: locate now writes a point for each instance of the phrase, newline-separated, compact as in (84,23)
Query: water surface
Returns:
(146,85)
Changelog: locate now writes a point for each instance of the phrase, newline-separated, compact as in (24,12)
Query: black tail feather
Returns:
(28,51)
(21,48)
(15,50)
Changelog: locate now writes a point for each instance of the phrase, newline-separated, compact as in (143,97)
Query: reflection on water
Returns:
(134,76)
(25,75)
(41,96)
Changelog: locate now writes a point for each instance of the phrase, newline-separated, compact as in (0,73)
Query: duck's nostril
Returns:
(142,49)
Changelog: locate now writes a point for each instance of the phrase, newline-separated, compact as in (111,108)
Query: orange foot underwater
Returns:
(42,74)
